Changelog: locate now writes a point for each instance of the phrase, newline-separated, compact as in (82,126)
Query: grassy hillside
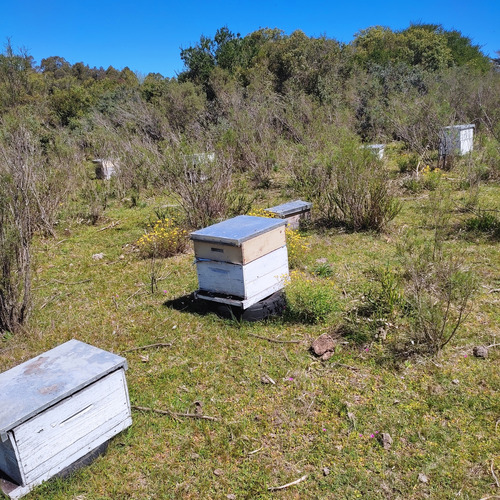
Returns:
(320,419)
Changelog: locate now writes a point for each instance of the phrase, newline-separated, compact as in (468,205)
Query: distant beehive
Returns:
(57,411)
(105,169)
(456,140)
(196,166)
(377,149)
(293,212)
(242,260)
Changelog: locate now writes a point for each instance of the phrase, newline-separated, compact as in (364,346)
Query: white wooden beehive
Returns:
(244,258)
(456,140)
(105,169)
(57,409)
(293,212)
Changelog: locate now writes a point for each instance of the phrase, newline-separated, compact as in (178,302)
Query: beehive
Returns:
(57,409)
(377,150)
(241,260)
(105,169)
(293,212)
(456,140)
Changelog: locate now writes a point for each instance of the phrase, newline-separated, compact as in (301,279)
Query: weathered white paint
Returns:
(69,402)
(377,149)
(457,139)
(243,303)
(247,280)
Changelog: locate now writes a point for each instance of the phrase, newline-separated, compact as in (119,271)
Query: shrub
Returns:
(438,291)
(310,299)
(484,222)
(164,239)
(350,188)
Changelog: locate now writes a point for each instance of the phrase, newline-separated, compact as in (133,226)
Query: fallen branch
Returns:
(174,414)
(109,227)
(277,341)
(70,283)
(276,488)
(169,344)
(492,345)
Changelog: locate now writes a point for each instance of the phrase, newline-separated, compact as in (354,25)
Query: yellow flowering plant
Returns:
(163,239)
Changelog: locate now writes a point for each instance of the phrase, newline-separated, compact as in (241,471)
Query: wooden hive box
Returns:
(57,409)
(377,150)
(293,212)
(456,140)
(244,259)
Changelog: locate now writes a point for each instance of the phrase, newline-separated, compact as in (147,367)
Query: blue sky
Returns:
(147,36)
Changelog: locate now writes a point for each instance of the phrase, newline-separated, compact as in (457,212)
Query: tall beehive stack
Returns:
(242,260)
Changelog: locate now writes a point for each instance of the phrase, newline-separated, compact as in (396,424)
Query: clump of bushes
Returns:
(349,187)
(311,299)
(163,239)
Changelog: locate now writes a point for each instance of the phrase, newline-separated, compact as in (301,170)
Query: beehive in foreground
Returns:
(241,260)
(57,409)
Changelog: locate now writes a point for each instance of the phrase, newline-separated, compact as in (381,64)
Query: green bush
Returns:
(310,299)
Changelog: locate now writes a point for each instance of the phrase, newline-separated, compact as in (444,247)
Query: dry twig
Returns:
(493,473)
(109,227)
(175,414)
(149,346)
(276,488)
(274,340)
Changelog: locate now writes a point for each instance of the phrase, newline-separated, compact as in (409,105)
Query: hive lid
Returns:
(292,207)
(460,127)
(41,382)
(237,230)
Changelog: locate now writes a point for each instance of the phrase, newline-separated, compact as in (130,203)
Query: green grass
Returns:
(318,414)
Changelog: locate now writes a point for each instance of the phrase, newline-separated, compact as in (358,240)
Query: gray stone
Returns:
(480,351)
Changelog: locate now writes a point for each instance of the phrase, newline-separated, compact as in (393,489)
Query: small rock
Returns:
(480,351)
(231,496)
(322,260)
(218,472)
(327,355)
(98,256)
(423,478)
(386,440)
(194,456)
(326,471)
(323,344)
(144,358)
(455,381)
(121,257)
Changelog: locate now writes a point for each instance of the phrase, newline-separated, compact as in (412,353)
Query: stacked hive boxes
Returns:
(57,410)
(242,260)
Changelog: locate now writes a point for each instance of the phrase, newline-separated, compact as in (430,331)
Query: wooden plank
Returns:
(248,251)
(243,281)
(73,427)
